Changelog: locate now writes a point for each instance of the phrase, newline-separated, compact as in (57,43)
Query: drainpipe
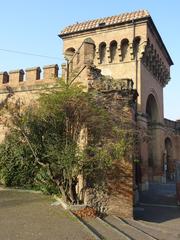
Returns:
(136,69)
(136,60)
(67,71)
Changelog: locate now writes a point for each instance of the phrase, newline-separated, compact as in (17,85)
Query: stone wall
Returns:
(119,191)
(119,99)
(25,86)
(172,132)
(30,77)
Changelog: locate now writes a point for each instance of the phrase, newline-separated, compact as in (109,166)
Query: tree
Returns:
(70,132)
(55,130)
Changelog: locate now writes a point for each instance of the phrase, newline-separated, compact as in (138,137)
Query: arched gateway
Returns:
(152,113)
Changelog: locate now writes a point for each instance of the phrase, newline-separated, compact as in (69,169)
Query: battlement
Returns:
(29,77)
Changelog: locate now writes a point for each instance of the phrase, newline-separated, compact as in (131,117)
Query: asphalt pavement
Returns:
(34,216)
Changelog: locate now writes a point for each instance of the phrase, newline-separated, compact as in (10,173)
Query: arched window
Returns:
(152,109)
(113,51)
(124,48)
(136,43)
(102,52)
(152,117)
(94,52)
(69,53)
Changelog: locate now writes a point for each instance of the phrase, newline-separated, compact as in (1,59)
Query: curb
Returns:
(63,204)
(69,207)
(19,190)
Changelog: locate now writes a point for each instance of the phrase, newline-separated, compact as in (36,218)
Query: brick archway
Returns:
(152,112)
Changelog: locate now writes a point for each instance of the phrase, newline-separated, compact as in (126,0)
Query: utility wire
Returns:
(27,53)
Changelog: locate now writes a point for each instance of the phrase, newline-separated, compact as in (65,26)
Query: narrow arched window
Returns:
(136,43)
(69,55)
(102,52)
(113,51)
(124,48)
(94,51)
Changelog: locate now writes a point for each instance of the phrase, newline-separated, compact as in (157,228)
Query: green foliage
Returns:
(50,136)
(67,132)
(44,183)
(96,163)
(17,167)
(125,145)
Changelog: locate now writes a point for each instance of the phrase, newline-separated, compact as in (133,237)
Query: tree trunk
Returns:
(64,195)
(72,191)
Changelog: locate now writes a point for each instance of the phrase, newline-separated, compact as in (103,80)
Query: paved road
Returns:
(160,207)
(166,219)
(160,194)
(30,216)
(160,215)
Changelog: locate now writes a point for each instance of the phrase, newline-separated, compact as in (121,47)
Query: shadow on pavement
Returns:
(158,204)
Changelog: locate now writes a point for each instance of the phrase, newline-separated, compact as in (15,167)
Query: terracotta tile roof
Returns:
(103,22)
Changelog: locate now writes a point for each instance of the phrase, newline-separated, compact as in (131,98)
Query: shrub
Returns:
(17,167)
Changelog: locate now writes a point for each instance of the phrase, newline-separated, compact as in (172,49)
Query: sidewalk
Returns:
(31,216)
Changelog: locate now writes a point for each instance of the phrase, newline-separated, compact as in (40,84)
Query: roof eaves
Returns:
(161,41)
(61,35)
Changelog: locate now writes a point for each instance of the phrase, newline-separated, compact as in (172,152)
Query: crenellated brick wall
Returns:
(29,77)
